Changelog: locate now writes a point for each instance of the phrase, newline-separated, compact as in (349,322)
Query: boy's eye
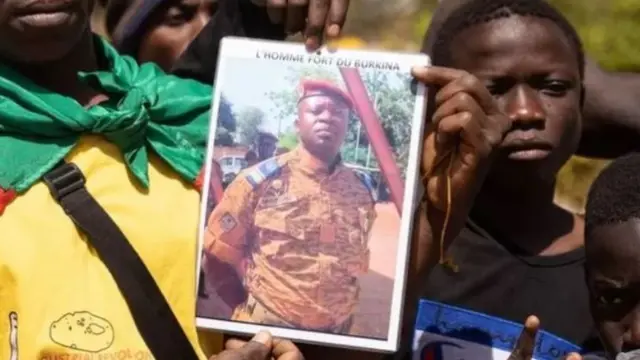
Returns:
(556,87)
(614,297)
(179,14)
(499,86)
(609,299)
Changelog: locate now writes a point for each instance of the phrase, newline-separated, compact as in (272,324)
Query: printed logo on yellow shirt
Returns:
(82,331)
(13,335)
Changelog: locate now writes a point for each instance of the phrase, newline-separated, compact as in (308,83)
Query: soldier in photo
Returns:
(266,145)
(295,228)
(251,158)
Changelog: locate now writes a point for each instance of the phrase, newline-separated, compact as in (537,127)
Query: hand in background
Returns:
(526,342)
(316,19)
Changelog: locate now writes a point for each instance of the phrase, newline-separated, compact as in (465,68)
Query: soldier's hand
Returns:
(317,19)
(466,127)
(265,348)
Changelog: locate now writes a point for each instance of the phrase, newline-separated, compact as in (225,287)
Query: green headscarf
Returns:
(147,109)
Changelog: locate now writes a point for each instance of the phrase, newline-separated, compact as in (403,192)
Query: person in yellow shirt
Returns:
(88,134)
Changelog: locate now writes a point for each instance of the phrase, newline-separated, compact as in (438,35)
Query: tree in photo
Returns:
(249,121)
(226,123)
(394,103)
(289,139)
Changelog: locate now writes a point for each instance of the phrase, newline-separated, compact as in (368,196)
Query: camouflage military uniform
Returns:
(304,231)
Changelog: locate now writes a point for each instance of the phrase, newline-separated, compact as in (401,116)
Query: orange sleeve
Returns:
(230,224)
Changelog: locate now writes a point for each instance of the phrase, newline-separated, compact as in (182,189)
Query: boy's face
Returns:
(533,72)
(613,277)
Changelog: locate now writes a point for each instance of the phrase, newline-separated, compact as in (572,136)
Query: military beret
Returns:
(312,87)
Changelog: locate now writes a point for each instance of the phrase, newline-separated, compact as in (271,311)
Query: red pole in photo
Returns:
(373,127)
(216,182)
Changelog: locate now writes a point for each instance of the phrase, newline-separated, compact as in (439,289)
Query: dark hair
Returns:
(477,12)
(614,196)
(266,136)
(250,156)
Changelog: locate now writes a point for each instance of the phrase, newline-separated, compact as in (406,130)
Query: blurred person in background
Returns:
(156,30)
(161,30)
(265,145)
(251,158)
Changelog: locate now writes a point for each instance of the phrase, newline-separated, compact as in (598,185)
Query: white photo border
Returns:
(238,48)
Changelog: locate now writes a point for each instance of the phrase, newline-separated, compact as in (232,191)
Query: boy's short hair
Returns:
(477,12)
(614,196)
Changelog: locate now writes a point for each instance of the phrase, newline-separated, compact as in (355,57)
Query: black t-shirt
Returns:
(488,300)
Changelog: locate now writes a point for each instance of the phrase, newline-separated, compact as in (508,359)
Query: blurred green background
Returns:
(609,28)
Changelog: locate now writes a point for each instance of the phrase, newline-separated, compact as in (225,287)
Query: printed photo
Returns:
(309,197)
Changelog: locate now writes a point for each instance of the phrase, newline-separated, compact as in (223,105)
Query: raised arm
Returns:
(611,115)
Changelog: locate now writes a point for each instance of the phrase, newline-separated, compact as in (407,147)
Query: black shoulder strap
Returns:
(153,316)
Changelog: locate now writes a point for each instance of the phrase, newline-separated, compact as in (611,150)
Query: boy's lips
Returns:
(43,7)
(44,14)
(528,151)
(44,20)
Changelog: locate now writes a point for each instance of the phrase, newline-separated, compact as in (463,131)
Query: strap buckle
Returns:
(64,180)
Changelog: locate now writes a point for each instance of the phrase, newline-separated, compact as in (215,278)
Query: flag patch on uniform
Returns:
(227,222)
